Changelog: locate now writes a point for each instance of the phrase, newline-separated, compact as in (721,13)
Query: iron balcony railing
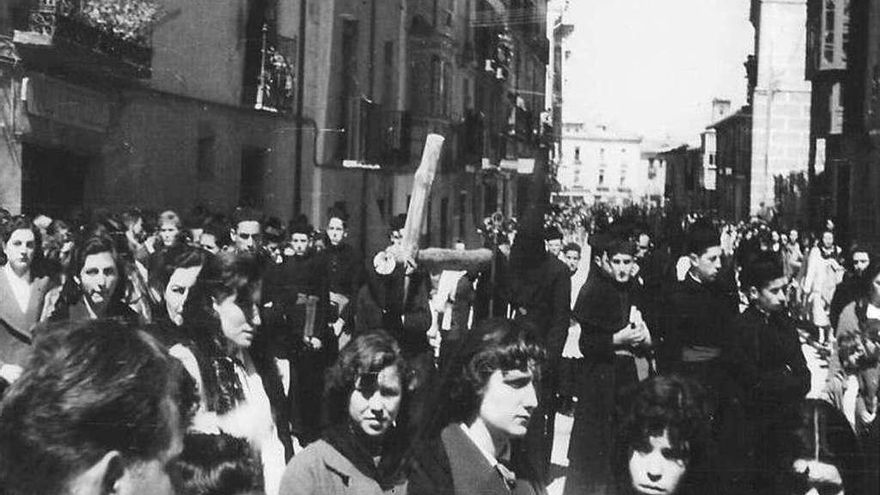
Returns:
(276,87)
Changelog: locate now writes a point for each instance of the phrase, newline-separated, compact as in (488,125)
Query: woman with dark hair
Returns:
(95,284)
(819,454)
(482,411)
(240,390)
(170,285)
(664,433)
(367,390)
(22,291)
(172,281)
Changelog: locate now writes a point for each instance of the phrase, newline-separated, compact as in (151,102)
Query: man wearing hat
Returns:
(614,341)
(553,238)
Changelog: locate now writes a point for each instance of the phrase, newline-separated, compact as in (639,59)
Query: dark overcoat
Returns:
(602,309)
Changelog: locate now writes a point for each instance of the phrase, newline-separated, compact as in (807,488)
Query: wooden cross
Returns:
(434,259)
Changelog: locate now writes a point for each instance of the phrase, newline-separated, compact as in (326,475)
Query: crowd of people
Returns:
(148,353)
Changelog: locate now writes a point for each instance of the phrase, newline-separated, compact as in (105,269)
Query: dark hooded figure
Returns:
(539,287)
(615,342)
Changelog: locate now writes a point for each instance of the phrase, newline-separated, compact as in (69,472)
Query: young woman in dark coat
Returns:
(482,411)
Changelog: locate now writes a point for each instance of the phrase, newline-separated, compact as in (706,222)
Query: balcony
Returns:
(110,37)
(374,136)
(275,84)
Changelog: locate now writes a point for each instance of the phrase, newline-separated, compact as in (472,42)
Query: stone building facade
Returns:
(780,95)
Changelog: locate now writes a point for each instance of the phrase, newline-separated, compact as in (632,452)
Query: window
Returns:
(834,34)
(601,177)
(577,177)
(711,159)
(440,76)
(348,86)
(577,153)
(835,106)
(258,15)
(602,156)
(205,158)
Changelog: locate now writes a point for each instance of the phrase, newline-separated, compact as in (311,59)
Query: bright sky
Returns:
(652,67)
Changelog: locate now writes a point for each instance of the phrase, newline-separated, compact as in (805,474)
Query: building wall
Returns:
(855,179)
(684,180)
(149,154)
(199,50)
(139,140)
(601,166)
(733,158)
(781,105)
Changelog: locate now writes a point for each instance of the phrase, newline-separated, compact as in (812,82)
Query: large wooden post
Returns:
(421,192)
(433,259)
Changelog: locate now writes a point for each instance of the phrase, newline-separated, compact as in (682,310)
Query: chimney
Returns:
(720,109)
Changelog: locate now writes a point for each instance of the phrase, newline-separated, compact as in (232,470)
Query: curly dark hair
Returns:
(495,344)
(672,404)
(366,354)
(23,222)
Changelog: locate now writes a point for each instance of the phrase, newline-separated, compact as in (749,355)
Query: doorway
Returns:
(52,181)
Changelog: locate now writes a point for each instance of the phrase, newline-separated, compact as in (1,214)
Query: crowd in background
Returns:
(232,354)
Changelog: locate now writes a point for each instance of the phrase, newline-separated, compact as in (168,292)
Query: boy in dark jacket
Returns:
(768,369)
(614,341)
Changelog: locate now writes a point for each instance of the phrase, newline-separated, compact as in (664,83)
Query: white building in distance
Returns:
(600,165)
